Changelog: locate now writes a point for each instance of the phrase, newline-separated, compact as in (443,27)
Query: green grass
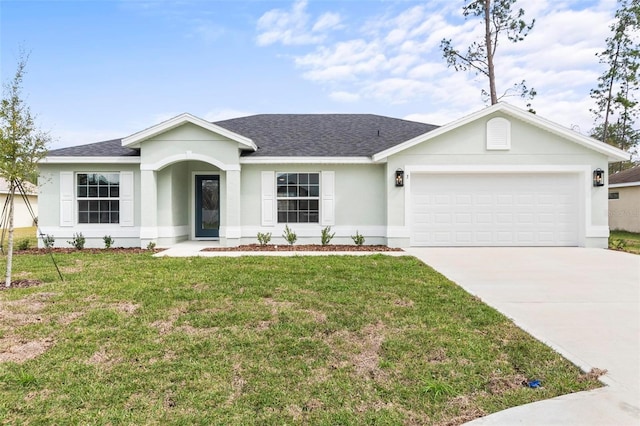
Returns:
(132,339)
(20,235)
(625,241)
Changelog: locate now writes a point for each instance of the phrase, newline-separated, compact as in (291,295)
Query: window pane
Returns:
(282,217)
(93,217)
(93,191)
(298,197)
(314,178)
(292,178)
(292,217)
(83,217)
(104,217)
(83,206)
(92,179)
(82,179)
(103,192)
(303,178)
(314,191)
(115,206)
(104,206)
(82,191)
(114,191)
(94,205)
(314,217)
(115,217)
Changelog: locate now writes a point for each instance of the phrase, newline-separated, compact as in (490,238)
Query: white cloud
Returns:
(345,97)
(294,27)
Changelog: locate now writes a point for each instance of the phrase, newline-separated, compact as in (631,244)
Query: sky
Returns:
(99,70)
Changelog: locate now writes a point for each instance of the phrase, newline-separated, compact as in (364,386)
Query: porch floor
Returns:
(194,248)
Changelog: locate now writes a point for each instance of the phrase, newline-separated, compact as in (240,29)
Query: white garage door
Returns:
(494,209)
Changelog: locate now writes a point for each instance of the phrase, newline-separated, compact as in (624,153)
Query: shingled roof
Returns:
(626,176)
(294,135)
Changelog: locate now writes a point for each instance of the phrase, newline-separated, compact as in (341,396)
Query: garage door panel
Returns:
(494,209)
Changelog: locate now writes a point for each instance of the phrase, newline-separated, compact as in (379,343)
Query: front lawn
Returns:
(128,338)
(625,241)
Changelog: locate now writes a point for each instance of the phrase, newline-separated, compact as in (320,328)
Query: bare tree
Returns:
(22,145)
(499,19)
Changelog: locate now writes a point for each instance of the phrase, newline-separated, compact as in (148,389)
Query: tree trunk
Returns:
(12,191)
(614,72)
(489,45)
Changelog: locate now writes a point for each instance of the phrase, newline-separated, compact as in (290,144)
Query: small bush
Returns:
(264,239)
(289,235)
(24,244)
(151,245)
(358,239)
(108,241)
(78,241)
(326,236)
(48,241)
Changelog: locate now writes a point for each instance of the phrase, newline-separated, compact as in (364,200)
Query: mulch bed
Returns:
(304,247)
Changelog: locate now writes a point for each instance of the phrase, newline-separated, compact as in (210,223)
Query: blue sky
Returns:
(105,69)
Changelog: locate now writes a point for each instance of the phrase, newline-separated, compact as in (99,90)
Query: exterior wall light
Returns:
(399,177)
(598,177)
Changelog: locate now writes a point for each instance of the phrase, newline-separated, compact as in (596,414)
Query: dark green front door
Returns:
(207,206)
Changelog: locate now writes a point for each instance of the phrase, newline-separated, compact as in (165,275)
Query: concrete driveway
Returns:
(584,303)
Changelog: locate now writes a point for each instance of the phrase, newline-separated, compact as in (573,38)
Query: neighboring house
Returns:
(22,216)
(624,200)
(498,177)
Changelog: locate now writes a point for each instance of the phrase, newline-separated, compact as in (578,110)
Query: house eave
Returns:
(623,185)
(134,140)
(90,160)
(306,160)
(613,154)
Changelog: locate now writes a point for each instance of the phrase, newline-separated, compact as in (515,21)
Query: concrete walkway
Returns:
(584,303)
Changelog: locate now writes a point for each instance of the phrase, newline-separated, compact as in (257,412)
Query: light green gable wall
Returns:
(189,137)
(530,145)
(359,192)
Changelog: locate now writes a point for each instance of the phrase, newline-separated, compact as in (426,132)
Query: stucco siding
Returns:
(624,212)
(360,202)
(186,140)
(49,207)
(531,148)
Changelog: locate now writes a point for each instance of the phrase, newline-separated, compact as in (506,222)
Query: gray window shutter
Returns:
(268,199)
(327,188)
(66,199)
(126,199)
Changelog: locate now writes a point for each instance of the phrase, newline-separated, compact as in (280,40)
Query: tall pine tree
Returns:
(499,19)
(616,96)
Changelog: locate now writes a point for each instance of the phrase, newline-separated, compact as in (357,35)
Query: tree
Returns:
(499,19)
(22,145)
(622,136)
(616,95)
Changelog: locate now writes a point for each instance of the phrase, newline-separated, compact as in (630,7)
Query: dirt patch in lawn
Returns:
(20,284)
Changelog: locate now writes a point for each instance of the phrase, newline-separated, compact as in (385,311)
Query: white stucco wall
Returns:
(465,148)
(49,207)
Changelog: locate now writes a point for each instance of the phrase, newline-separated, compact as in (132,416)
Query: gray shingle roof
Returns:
(323,135)
(626,176)
(294,135)
(112,148)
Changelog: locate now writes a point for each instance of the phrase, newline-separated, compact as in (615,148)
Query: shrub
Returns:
(48,241)
(78,241)
(617,243)
(108,241)
(264,239)
(151,245)
(24,244)
(326,236)
(289,235)
(358,239)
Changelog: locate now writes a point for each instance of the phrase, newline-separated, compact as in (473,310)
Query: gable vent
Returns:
(498,134)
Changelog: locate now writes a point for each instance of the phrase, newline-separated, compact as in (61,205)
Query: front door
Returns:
(207,206)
